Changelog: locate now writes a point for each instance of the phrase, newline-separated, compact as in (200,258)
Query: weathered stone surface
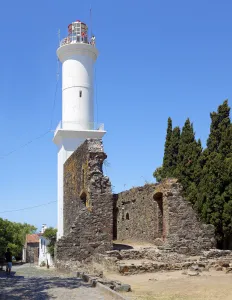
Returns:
(224,264)
(229,270)
(123,288)
(135,214)
(150,260)
(195,268)
(219,268)
(88,207)
(215,253)
(193,273)
(154,213)
(158,213)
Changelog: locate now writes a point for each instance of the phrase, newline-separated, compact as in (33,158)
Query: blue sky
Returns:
(157,59)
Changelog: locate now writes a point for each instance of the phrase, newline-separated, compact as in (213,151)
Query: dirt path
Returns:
(211,285)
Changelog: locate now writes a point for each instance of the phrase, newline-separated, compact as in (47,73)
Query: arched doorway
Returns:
(83,197)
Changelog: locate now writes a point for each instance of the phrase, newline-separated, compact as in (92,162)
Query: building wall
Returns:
(158,213)
(135,214)
(44,255)
(67,147)
(182,229)
(88,205)
(32,253)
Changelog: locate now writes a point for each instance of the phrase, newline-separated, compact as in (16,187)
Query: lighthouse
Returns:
(77,53)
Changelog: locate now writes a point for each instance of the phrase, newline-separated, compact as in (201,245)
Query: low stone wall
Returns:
(88,207)
(146,260)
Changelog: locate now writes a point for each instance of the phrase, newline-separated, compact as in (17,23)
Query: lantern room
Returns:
(78,33)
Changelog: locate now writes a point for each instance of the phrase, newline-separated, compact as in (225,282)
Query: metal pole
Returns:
(58,37)
(90,22)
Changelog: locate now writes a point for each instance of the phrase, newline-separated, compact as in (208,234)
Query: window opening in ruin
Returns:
(83,178)
(127,216)
(158,197)
(84,198)
(80,94)
(115,222)
(123,214)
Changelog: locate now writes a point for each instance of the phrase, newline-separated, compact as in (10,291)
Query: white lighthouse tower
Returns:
(77,54)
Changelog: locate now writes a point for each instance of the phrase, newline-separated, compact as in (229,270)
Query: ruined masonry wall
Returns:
(135,214)
(159,214)
(185,233)
(88,206)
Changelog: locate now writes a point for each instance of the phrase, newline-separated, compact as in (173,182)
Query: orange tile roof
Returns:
(32,238)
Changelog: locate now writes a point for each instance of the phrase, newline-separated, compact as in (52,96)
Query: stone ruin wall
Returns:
(93,217)
(182,231)
(158,213)
(88,206)
(135,214)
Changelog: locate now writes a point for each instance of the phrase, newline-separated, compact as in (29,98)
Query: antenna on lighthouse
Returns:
(90,21)
(58,34)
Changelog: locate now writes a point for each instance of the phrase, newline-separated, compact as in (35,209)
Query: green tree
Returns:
(158,174)
(170,154)
(13,235)
(215,185)
(188,168)
(50,234)
(167,160)
(220,125)
(206,176)
(174,151)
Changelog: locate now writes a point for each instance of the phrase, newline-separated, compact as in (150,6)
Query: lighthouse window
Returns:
(80,94)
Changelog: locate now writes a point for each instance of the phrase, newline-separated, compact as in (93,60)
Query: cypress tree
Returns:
(170,154)
(174,150)
(220,124)
(187,170)
(205,176)
(215,189)
(167,153)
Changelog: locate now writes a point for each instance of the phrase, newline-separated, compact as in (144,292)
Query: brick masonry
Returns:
(88,205)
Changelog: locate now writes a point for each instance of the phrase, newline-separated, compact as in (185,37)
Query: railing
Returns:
(77,39)
(79,126)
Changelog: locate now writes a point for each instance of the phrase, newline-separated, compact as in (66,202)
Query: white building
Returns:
(77,54)
(44,255)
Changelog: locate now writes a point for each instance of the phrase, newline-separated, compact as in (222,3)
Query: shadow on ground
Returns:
(121,247)
(18,287)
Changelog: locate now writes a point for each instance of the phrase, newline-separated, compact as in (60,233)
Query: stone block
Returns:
(123,288)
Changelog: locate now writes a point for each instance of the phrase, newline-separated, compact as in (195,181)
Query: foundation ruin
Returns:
(94,217)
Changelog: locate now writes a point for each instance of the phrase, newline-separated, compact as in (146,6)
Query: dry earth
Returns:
(211,285)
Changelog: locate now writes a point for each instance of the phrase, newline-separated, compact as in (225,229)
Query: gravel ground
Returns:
(34,283)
